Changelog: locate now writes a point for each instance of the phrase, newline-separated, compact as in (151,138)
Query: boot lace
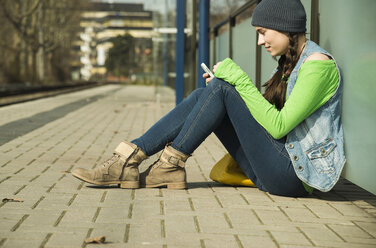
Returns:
(112,160)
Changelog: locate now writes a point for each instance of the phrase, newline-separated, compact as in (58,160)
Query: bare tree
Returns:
(40,30)
(19,14)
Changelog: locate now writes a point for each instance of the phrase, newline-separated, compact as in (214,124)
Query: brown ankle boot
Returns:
(121,168)
(168,171)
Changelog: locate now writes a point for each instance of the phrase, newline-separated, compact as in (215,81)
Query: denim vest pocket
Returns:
(323,155)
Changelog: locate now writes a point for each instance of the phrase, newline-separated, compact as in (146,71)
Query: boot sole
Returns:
(181,185)
(122,184)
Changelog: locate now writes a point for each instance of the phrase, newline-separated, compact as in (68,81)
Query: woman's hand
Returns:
(206,75)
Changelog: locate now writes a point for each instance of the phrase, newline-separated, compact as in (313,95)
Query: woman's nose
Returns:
(260,40)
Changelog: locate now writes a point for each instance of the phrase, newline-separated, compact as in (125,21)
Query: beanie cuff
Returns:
(280,24)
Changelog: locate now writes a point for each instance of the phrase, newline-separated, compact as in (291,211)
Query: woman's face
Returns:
(275,42)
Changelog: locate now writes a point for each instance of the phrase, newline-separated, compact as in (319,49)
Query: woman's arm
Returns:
(316,83)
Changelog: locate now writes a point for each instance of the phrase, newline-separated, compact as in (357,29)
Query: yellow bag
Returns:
(227,171)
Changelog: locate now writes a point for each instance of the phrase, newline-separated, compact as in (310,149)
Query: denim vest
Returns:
(316,145)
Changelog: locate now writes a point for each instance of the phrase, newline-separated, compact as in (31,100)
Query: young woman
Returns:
(287,141)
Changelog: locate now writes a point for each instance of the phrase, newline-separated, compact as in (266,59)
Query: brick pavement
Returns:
(60,211)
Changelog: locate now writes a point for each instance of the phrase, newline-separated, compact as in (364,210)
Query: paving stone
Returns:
(255,196)
(149,232)
(184,240)
(324,210)
(322,235)
(21,242)
(272,217)
(142,209)
(257,241)
(42,217)
(176,206)
(295,246)
(112,215)
(350,231)
(205,203)
(114,233)
(229,199)
(179,225)
(83,217)
(221,240)
(117,197)
(300,214)
(7,223)
(214,222)
(290,238)
(54,201)
(242,217)
(348,209)
(31,235)
(72,238)
(368,227)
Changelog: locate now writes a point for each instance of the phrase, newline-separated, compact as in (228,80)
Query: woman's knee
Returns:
(214,83)
(217,82)
(196,93)
(222,85)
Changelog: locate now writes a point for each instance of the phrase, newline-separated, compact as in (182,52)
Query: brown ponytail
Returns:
(276,87)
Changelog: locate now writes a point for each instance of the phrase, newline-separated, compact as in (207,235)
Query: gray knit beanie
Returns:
(281,15)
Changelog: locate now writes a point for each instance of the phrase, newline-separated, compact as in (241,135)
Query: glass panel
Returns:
(307,7)
(244,47)
(349,35)
(222,46)
(212,62)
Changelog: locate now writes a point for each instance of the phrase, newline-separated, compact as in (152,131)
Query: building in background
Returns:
(100,24)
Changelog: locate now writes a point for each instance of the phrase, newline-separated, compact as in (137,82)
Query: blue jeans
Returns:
(219,108)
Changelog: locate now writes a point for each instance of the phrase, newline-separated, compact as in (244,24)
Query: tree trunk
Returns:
(41,47)
(34,66)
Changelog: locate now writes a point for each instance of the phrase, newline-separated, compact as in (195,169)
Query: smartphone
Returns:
(206,69)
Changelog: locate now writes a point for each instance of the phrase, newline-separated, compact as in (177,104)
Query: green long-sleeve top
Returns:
(316,83)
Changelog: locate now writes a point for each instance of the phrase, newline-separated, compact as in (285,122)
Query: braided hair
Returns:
(276,87)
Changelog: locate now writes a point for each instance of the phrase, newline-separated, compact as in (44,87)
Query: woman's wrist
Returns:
(221,68)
